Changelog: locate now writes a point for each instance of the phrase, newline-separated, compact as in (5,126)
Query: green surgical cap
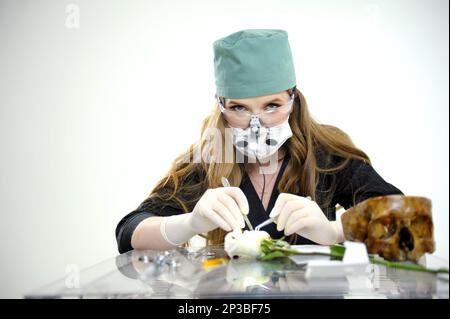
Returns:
(252,63)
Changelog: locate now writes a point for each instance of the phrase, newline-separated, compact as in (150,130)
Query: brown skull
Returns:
(395,227)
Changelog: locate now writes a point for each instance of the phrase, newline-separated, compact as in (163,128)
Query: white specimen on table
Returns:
(246,244)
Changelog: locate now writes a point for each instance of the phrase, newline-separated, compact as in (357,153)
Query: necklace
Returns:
(268,185)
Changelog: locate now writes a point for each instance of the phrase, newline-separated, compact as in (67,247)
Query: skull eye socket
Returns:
(421,226)
(406,240)
(383,228)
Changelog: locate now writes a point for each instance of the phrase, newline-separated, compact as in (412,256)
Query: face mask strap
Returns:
(292,91)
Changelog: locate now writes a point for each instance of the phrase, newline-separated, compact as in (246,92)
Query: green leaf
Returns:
(272,255)
(337,251)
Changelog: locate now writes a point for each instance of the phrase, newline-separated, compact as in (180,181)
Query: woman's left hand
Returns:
(297,214)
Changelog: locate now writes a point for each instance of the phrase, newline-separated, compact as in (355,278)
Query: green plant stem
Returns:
(296,252)
(337,251)
(393,264)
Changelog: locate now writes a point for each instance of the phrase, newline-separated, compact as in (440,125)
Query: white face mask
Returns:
(260,142)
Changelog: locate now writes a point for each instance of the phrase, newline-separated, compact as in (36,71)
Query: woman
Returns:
(281,164)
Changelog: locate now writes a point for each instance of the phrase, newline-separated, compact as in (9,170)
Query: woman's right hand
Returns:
(219,207)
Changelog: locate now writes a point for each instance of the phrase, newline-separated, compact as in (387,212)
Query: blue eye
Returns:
(272,107)
(237,108)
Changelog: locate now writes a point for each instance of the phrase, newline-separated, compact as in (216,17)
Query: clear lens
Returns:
(273,117)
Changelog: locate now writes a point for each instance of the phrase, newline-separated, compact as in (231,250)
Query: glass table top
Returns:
(207,273)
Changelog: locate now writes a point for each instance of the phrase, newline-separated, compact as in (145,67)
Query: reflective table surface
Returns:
(207,273)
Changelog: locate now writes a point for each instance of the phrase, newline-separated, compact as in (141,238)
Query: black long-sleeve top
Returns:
(356,182)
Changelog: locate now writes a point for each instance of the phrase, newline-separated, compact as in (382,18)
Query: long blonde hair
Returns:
(187,180)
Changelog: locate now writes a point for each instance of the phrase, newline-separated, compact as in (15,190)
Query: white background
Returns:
(92,117)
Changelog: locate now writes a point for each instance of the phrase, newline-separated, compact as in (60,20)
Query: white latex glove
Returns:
(297,214)
(220,207)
